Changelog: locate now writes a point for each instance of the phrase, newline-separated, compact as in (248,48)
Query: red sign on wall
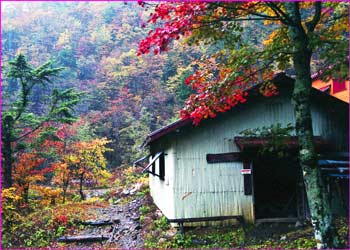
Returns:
(246,171)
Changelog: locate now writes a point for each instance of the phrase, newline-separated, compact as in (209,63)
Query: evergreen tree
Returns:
(18,122)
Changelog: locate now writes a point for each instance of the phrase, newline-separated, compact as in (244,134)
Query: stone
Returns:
(158,214)
(200,242)
(126,192)
(170,233)
(298,224)
(135,217)
(162,240)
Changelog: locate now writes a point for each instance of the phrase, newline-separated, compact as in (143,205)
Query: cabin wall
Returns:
(162,190)
(206,190)
(331,122)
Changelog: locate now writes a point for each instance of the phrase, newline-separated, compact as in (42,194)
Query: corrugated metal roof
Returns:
(280,77)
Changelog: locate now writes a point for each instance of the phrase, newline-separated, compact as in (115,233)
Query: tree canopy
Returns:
(242,60)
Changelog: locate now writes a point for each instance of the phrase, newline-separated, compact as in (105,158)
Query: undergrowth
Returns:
(237,237)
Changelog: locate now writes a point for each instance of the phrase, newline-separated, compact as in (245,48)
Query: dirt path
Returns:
(126,233)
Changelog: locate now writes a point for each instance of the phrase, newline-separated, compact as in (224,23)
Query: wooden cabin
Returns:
(200,173)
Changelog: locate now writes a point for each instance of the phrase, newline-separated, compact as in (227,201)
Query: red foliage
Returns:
(214,94)
(207,103)
(181,20)
(61,220)
(26,171)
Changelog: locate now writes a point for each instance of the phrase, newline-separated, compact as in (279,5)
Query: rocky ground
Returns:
(123,233)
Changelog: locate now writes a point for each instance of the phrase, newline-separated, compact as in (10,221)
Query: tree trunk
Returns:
(82,197)
(316,193)
(7,128)
(26,193)
(64,192)
(65,187)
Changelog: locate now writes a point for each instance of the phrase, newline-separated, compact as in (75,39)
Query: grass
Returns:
(281,236)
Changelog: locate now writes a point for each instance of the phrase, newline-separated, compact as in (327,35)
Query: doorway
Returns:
(275,187)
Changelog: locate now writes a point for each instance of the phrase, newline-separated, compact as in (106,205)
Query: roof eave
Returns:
(164,131)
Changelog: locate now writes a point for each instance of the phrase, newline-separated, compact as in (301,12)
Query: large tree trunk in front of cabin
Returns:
(81,179)
(317,196)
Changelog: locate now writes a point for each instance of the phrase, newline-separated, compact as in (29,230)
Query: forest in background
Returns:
(125,97)
(97,109)
(89,103)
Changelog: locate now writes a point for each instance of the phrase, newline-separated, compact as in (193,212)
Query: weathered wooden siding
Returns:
(199,189)
(218,189)
(331,122)
(162,190)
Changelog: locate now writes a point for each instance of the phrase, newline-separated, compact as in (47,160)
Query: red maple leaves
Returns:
(212,97)
(180,20)
(217,88)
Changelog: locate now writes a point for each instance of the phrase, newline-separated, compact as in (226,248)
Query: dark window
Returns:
(151,167)
(153,170)
(162,166)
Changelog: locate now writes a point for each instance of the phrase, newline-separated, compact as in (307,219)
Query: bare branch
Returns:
(317,16)
(285,19)
(28,133)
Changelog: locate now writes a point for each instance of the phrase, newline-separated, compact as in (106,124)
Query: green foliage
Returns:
(18,117)
(235,237)
(276,137)
(143,192)
(39,238)
(181,241)
(126,97)
(342,228)
(144,209)
(142,219)
(62,103)
(275,130)
(11,216)
(300,243)
(40,226)
(161,223)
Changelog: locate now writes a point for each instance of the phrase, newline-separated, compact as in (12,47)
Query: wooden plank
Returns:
(277,220)
(152,163)
(225,157)
(99,222)
(248,183)
(200,219)
(83,238)
(137,162)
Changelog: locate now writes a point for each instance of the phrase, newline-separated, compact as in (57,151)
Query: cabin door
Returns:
(275,188)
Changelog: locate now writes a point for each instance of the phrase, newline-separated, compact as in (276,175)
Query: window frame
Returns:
(160,156)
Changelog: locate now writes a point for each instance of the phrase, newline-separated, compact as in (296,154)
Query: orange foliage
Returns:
(26,172)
